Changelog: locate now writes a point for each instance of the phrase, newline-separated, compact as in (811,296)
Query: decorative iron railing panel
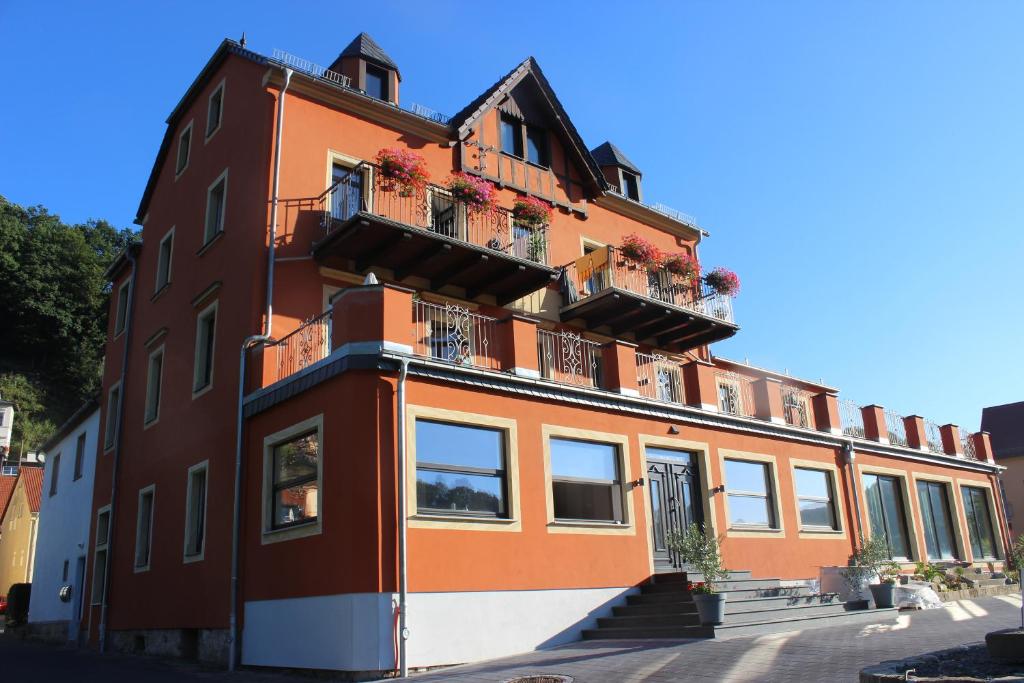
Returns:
(796,407)
(851,418)
(934,437)
(311,68)
(454,334)
(569,358)
(364,188)
(967,444)
(896,428)
(735,393)
(309,343)
(658,377)
(610,269)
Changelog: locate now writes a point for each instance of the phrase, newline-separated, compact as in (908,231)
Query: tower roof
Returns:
(366,47)
(607,154)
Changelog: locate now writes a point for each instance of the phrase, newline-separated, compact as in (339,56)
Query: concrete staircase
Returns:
(664,608)
(979,578)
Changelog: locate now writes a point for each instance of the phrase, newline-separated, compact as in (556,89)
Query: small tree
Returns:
(701,551)
(868,560)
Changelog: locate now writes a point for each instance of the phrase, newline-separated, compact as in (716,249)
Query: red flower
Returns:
(476,193)
(723,281)
(532,211)
(403,170)
(638,249)
(682,264)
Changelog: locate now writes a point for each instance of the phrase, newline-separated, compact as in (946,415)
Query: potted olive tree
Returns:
(865,564)
(701,551)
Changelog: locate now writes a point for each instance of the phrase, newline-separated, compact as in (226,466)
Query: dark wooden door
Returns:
(674,492)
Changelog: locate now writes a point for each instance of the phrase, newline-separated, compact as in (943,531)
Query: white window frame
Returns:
(270,534)
(79,465)
(151,491)
(179,168)
(190,520)
(198,390)
(151,414)
(98,547)
(113,417)
(121,315)
(160,286)
(54,475)
(209,103)
(837,501)
(778,529)
(208,237)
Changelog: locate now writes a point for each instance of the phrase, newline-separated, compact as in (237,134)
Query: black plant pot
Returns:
(883,594)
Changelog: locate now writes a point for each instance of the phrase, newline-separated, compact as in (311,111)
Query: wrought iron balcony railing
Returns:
(897,429)
(851,418)
(796,407)
(611,270)
(934,437)
(967,444)
(568,358)
(453,334)
(735,393)
(307,344)
(364,189)
(658,377)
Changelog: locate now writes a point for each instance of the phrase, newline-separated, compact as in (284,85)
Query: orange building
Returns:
(389,389)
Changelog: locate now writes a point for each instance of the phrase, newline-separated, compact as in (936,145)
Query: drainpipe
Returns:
(249,343)
(129,316)
(403,513)
(849,456)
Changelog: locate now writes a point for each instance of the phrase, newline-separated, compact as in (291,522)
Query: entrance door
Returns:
(674,491)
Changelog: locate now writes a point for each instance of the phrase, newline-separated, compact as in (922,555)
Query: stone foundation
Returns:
(204,645)
(47,631)
(980,592)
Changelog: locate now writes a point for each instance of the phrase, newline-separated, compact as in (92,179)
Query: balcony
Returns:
(430,235)
(615,296)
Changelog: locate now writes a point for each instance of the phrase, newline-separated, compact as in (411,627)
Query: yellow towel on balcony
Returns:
(588,263)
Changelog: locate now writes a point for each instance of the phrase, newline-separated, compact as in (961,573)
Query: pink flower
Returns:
(403,170)
(532,210)
(682,264)
(476,193)
(638,249)
(723,281)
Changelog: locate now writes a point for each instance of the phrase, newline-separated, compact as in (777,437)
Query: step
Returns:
(664,587)
(664,598)
(756,628)
(648,632)
(649,620)
(784,613)
(746,584)
(780,591)
(980,583)
(687,607)
(737,606)
(737,575)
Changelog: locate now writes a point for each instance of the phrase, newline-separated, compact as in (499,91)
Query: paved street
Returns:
(824,654)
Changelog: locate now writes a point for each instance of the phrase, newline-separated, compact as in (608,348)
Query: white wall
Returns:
(63,532)
(6,423)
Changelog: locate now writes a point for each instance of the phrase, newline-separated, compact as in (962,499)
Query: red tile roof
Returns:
(33,478)
(6,489)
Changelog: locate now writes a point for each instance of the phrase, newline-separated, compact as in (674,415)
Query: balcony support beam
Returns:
(369,257)
(474,290)
(641,316)
(459,268)
(422,258)
(660,327)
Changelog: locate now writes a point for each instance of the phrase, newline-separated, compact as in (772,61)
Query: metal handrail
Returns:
(454,334)
(796,406)
(569,358)
(967,444)
(307,344)
(658,377)
(933,435)
(896,428)
(851,418)
(735,393)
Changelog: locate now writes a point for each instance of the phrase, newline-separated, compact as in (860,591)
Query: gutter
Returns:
(850,456)
(403,515)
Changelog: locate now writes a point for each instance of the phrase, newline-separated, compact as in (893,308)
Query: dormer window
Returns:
(537,146)
(630,186)
(376,82)
(511,136)
(514,132)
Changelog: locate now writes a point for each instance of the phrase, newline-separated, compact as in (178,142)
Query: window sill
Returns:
(189,559)
(754,532)
(158,293)
(150,423)
(290,533)
(196,393)
(811,532)
(427,521)
(209,243)
(209,136)
(140,570)
(584,527)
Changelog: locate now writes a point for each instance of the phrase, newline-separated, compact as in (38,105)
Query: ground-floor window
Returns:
(886,513)
(938,522)
(460,469)
(748,492)
(99,563)
(979,522)
(586,481)
(815,498)
(295,480)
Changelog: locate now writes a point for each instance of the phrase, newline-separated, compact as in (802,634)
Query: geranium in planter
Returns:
(402,170)
(639,250)
(701,551)
(476,193)
(723,281)
(682,264)
(532,212)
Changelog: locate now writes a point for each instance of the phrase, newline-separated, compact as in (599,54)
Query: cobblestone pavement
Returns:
(818,654)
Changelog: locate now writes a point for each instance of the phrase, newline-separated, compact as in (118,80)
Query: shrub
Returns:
(869,559)
(701,551)
(723,281)
(402,170)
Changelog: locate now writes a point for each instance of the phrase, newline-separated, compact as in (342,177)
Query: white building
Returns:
(6,426)
(63,537)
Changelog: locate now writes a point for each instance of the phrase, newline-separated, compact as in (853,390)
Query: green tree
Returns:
(53,304)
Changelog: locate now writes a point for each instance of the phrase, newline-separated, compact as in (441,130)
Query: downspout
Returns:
(249,343)
(403,513)
(849,456)
(129,326)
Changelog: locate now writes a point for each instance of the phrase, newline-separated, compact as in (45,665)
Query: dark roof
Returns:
(467,112)
(1005,425)
(121,260)
(366,47)
(608,154)
(78,417)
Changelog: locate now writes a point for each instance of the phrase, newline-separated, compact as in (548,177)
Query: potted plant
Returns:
(701,551)
(476,193)
(864,565)
(723,281)
(883,591)
(682,264)
(402,170)
(638,250)
(537,246)
(532,212)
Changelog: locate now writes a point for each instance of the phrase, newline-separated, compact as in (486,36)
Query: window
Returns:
(206,332)
(586,481)
(979,522)
(938,523)
(886,513)
(54,474)
(121,312)
(113,409)
(377,82)
(511,135)
(729,396)
(163,262)
(460,469)
(630,185)
(154,379)
(216,199)
(99,562)
(79,456)
(537,149)
(215,110)
(295,489)
(814,495)
(184,147)
(144,529)
(195,513)
(748,497)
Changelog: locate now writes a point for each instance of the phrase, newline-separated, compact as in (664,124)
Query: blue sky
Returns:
(859,164)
